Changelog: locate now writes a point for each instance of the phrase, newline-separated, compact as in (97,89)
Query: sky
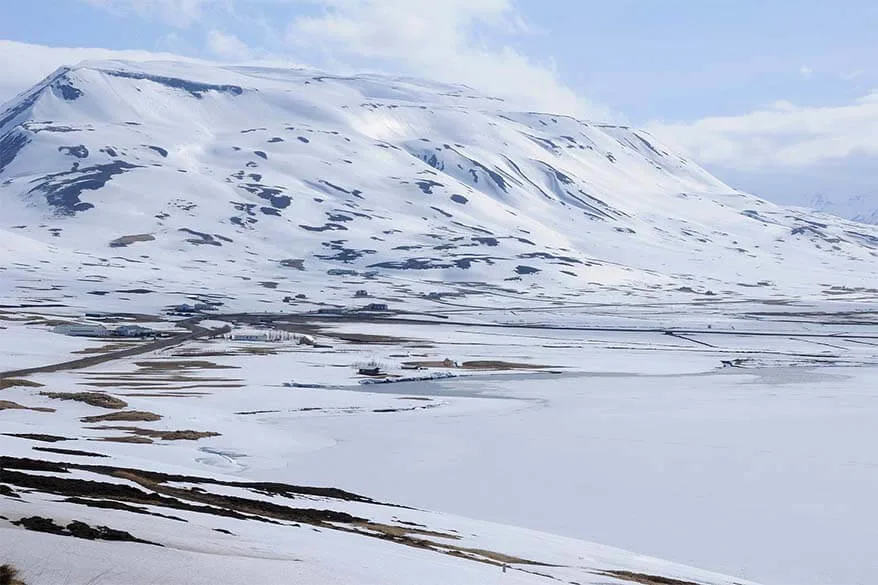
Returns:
(777,97)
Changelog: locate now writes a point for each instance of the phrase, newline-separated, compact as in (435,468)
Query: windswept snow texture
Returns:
(420,180)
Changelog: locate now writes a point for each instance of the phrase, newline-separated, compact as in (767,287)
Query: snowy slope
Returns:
(158,177)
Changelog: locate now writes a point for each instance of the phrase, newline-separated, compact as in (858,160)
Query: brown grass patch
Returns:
(182,365)
(9,575)
(187,435)
(13,382)
(97,399)
(500,366)
(123,416)
(126,439)
(431,364)
(106,348)
(368,338)
(644,579)
(9,405)
(38,437)
(123,241)
(74,452)
(403,531)
(258,350)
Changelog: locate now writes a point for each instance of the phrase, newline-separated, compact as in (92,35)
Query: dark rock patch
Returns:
(67,91)
(195,88)
(243,222)
(343,253)
(260,154)
(270,194)
(38,437)
(200,238)
(245,207)
(324,228)
(459,199)
(548,256)
(427,186)
(473,228)
(443,212)
(160,150)
(336,187)
(62,190)
(78,529)
(303,139)
(522,269)
(79,151)
(125,241)
(10,145)
(297,263)
(74,452)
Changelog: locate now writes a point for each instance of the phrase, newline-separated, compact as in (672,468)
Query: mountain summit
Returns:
(163,176)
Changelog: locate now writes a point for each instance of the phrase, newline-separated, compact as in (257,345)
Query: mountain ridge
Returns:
(247,171)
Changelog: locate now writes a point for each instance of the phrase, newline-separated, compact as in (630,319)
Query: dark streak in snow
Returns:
(195,88)
(62,190)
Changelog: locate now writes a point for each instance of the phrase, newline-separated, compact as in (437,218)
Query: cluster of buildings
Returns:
(188,309)
(97,330)
(370,308)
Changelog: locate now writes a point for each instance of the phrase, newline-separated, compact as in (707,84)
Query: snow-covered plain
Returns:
(638,440)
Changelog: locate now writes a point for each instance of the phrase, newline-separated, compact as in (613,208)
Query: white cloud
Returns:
(806,72)
(445,40)
(179,13)
(784,136)
(439,40)
(227,46)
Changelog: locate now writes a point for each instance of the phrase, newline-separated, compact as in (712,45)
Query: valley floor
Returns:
(745,450)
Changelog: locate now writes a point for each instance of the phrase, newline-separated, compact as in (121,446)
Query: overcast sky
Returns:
(779,97)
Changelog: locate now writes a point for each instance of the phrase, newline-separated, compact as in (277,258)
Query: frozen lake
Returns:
(767,474)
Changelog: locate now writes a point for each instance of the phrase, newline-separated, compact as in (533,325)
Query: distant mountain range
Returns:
(861,208)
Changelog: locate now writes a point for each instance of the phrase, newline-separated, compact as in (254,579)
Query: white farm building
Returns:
(81,330)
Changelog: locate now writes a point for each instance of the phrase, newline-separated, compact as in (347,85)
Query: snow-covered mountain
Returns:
(860,208)
(256,182)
